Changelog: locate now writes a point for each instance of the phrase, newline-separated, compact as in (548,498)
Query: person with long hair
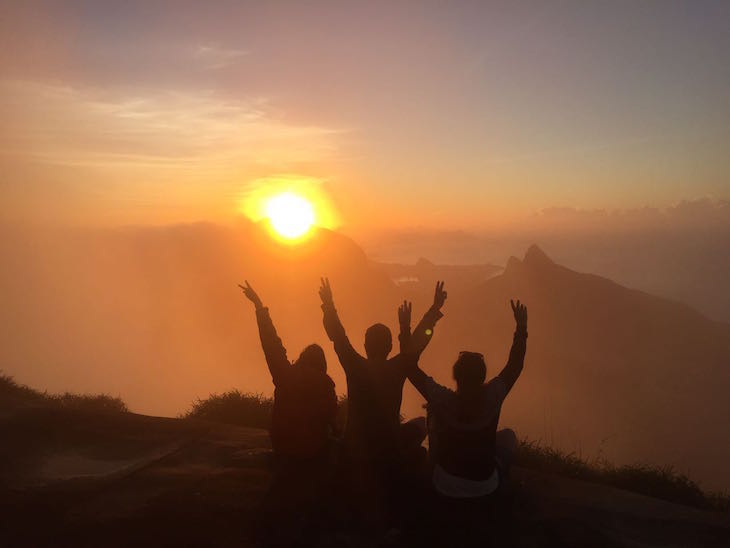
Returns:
(305,402)
(470,456)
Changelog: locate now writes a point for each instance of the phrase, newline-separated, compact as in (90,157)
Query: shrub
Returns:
(10,388)
(234,407)
(86,402)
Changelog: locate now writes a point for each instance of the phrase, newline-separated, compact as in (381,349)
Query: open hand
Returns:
(439,296)
(325,292)
(404,314)
(520,312)
(251,294)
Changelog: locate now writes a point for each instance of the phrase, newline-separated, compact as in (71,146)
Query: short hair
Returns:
(378,341)
(470,369)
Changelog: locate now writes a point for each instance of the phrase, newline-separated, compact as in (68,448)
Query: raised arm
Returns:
(404,321)
(274,350)
(335,330)
(512,370)
(424,330)
(432,392)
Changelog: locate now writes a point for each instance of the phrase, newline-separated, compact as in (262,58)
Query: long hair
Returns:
(312,357)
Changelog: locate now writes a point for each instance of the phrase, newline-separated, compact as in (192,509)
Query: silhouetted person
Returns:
(375,383)
(470,457)
(303,417)
(305,403)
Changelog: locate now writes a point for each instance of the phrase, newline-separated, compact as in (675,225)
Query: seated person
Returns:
(375,382)
(470,457)
(305,402)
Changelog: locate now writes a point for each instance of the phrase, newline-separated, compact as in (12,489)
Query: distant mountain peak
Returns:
(536,256)
(512,264)
(423,262)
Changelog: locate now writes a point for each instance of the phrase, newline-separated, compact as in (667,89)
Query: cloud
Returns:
(215,57)
(67,125)
(698,212)
(706,208)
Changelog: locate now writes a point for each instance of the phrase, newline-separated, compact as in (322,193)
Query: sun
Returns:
(291,215)
(289,206)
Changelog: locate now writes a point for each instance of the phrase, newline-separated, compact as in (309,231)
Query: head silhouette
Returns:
(378,341)
(470,371)
(312,358)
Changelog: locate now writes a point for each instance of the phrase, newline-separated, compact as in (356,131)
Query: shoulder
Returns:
(400,363)
(496,389)
(438,393)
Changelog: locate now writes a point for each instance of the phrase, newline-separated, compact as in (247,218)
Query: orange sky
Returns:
(460,117)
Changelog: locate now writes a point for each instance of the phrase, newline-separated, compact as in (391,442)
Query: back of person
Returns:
(470,456)
(375,384)
(305,402)
(373,419)
(305,405)
(462,433)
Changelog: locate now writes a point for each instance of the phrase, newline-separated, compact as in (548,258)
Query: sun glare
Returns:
(291,216)
(290,205)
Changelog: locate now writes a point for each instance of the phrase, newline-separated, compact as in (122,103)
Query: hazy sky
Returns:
(458,114)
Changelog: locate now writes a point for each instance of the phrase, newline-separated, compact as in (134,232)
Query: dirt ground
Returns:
(69,479)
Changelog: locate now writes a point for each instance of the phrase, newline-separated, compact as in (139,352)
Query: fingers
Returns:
(324,284)
(325,292)
(520,311)
(439,295)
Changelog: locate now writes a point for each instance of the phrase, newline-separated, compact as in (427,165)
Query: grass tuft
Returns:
(10,389)
(659,482)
